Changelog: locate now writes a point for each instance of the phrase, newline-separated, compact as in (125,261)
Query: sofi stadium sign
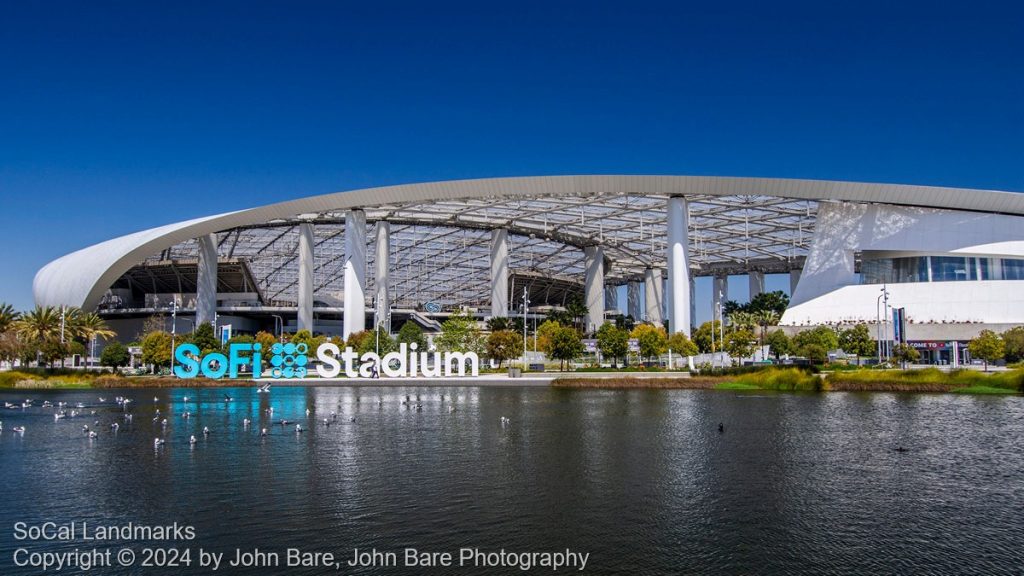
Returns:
(293,361)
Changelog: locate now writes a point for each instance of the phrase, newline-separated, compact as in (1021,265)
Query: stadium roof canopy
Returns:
(440,232)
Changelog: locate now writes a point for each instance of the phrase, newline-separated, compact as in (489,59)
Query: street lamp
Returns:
(881,332)
(174,328)
(526,304)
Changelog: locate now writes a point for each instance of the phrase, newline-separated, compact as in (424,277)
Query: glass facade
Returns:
(939,269)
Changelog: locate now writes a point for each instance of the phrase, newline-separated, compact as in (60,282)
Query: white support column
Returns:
(355,273)
(756,280)
(305,289)
(653,295)
(593,287)
(794,278)
(499,273)
(206,280)
(633,300)
(381,275)
(611,297)
(719,295)
(678,265)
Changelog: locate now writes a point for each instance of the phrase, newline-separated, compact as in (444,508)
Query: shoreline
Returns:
(553,380)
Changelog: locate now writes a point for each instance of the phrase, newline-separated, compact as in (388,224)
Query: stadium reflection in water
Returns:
(642,480)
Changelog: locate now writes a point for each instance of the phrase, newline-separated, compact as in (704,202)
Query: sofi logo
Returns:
(288,360)
(293,361)
(217,365)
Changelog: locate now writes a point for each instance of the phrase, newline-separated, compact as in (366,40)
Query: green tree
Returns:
(1013,341)
(566,345)
(745,321)
(459,333)
(306,337)
(8,316)
(905,353)
(266,340)
(577,310)
(857,341)
(740,343)
(706,335)
(89,325)
(988,346)
(627,322)
(778,343)
(373,339)
(156,349)
(204,339)
(823,336)
(680,344)
(775,301)
(504,345)
(411,333)
(545,334)
(40,330)
(816,353)
(613,342)
(115,355)
(764,319)
(652,340)
(356,340)
(497,323)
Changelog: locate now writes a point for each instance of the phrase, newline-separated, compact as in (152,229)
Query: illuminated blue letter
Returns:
(187,366)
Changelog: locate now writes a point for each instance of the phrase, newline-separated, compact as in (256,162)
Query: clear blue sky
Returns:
(118,116)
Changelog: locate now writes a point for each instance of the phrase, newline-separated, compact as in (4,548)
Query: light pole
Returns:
(174,328)
(880,320)
(526,303)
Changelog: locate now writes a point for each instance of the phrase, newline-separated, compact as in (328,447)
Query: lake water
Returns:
(643,481)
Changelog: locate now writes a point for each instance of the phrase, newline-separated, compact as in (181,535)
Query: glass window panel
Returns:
(1013,269)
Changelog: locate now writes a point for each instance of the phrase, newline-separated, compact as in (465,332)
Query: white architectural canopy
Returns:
(441,237)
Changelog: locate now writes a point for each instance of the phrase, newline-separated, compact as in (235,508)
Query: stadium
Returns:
(951,259)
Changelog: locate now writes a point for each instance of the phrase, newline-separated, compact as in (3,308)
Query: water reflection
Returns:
(643,480)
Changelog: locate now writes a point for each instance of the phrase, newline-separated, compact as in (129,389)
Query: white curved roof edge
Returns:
(81,278)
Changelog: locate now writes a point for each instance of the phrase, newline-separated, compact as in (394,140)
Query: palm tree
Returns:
(766,318)
(89,326)
(7,316)
(39,327)
(743,320)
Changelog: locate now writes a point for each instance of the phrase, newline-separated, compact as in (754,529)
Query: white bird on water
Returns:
(298,429)
(93,434)
(19,429)
(192,439)
(246,422)
(206,431)
(158,442)
(263,432)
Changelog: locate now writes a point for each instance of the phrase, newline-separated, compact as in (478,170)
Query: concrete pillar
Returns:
(678,257)
(653,295)
(611,297)
(756,283)
(381,269)
(355,273)
(499,273)
(593,287)
(305,284)
(719,295)
(206,280)
(633,300)
(794,277)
